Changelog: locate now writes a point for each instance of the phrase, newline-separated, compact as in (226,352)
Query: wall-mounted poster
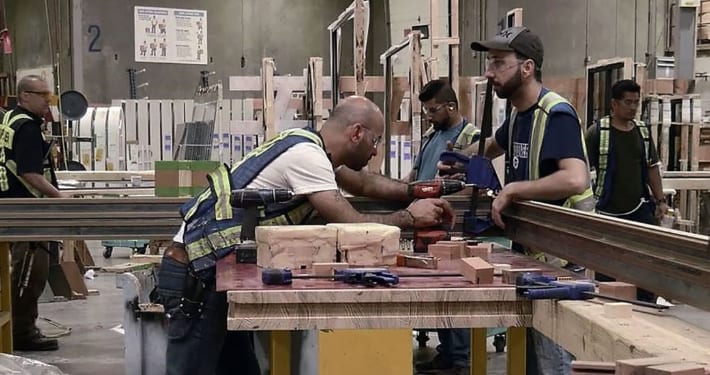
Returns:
(166,35)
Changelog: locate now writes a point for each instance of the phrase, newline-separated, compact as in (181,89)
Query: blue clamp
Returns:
(367,276)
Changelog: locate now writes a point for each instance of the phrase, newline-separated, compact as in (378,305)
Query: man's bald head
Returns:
(353,132)
(33,94)
(358,110)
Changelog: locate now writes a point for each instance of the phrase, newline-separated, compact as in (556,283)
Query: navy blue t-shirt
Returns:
(562,140)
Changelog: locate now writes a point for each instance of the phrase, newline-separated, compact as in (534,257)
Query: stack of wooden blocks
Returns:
(639,366)
(473,258)
(182,178)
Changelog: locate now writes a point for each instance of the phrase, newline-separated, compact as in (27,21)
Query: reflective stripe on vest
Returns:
(604,148)
(465,137)
(213,226)
(545,106)
(7,136)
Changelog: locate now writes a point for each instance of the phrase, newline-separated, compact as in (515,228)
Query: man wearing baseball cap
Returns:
(542,141)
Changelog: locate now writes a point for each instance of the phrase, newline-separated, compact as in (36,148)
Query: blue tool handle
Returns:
(548,293)
(276,276)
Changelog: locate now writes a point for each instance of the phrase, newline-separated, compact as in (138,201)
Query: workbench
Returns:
(365,330)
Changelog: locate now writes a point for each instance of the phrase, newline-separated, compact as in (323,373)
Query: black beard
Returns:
(509,88)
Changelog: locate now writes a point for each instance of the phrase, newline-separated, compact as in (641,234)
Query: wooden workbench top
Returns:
(432,302)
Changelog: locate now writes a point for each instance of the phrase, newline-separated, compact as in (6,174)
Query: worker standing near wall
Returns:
(314,165)
(544,152)
(621,150)
(26,171)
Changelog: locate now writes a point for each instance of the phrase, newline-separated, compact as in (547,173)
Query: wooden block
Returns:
(499,267)
(418,261)
(594,366)
(618,289)
(93,292)
(367,244)
(676,369)
(295,246)
(617,310)
(482,250)
(327,269)
(476,270)
(445,251)
(510,275)
(637,366)
(463,252)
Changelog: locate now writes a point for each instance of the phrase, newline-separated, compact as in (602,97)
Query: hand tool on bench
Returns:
(536,286)
(360,276)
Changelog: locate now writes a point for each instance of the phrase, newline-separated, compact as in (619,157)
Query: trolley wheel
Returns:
(107,251)
(499,342)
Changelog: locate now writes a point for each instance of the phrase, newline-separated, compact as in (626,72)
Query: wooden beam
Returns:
(582,329)
(415,87)
(267,82)
(359,41)
(454,48)
(316,78)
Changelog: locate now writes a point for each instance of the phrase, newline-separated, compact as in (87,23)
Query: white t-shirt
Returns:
(304,169)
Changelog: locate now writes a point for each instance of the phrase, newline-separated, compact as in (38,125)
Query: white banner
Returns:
(166,35)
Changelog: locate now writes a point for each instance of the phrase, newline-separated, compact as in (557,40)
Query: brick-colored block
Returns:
(617,310)
(461,244)
(637,366)
(618,289)
(445,251)
(510,275)
(367,244)
(482,250)
(327,269)
(476,270)
(676,369)
(499,267)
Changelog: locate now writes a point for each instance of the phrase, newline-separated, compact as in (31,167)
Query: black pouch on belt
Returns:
(192,301)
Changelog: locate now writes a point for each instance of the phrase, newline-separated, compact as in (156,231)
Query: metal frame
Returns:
(359,12)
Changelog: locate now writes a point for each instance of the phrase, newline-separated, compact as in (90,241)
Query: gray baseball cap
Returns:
(518,39)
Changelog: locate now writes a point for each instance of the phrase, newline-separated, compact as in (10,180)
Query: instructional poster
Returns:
(166,35)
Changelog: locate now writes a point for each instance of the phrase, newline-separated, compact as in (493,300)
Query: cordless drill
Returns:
(432,189)
(250,200)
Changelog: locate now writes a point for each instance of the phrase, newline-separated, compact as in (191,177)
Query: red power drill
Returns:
(432,189)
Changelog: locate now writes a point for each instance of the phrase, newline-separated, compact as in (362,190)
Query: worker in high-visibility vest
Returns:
(26,171)
(621,150)
(315,165)
(546,159)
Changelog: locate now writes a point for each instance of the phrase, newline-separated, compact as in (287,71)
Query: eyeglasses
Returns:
(44,94)
(498,65)
(432,111)
(375,139)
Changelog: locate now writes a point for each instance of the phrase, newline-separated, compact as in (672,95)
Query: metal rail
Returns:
(671,263)
(668,262)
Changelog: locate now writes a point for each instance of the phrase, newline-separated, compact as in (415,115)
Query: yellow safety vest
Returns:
(466,136)
(604,138)
(7,136)
(582,202)
(214,226)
